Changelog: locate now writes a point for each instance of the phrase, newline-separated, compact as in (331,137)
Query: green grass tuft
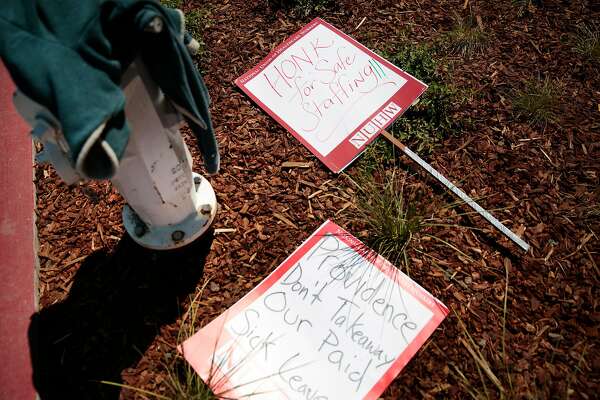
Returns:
(525,7)
(586,42)
(466,37)
(537,102)
(183,383)
(390,217)
(380,154)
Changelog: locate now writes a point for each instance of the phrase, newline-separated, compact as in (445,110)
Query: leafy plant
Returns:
(430,119)
(391,218)
(196,21)
(537,102)
(172,3)
(586,42)
(467,37)
(417,60)
(301,7)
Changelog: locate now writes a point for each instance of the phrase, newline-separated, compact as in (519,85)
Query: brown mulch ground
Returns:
(110,310)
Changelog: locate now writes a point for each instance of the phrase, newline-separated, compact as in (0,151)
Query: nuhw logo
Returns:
(372,127)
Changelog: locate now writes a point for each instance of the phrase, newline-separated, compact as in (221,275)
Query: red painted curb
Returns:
(17,254)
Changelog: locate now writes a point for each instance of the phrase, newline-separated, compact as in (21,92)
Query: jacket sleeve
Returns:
(78,95)
(171,66)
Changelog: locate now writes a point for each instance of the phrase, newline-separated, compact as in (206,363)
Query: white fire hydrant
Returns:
(168,205)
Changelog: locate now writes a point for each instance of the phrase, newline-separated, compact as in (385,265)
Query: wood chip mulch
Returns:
(111,311)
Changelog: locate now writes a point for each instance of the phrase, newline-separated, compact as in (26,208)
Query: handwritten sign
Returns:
(333,321)
(332,93)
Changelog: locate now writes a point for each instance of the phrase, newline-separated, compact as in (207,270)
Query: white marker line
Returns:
(484,213)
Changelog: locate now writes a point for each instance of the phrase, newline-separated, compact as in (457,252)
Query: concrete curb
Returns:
(18,252)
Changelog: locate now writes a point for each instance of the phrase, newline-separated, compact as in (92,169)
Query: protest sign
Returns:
(334,321)
(332,93)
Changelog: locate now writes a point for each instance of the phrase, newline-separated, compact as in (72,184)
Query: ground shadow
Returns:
(115,308)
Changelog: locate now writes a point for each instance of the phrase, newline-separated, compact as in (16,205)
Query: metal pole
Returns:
(463,196)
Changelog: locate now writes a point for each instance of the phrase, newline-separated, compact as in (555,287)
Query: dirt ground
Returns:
(111,311)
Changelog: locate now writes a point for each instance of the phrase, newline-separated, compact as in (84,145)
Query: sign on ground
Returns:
(333,321)
(330,92)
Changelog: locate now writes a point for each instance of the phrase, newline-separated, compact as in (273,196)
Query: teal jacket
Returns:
(70,55)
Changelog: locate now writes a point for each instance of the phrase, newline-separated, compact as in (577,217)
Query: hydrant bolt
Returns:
(177,236)
(140,230)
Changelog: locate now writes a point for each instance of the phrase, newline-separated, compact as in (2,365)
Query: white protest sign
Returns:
(333,321)
(330,92)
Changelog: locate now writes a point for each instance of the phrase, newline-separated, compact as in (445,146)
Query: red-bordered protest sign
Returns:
(332,93)
(334,321)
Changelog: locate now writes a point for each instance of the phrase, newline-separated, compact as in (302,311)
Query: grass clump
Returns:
(537,102)
(183,383)
(525,7)
(586,42)
(301,7)
(467,37)
(390,216)
(379,154)
(430,119)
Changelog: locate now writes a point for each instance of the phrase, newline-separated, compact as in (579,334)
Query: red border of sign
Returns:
(341,156)
(199,349)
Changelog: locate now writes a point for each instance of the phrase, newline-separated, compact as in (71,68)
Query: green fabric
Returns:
(69,55)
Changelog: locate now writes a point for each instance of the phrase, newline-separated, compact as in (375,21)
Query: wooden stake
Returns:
(463,196)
